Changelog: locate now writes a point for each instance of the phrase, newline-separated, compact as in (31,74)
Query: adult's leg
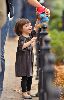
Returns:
(18,6)
(29,12)
(4,31)
(11,34)
(18,9)
(11,30)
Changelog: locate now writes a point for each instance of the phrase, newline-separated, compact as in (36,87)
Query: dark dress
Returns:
(24,62)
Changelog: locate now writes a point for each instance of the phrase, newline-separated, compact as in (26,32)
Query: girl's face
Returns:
(27,28)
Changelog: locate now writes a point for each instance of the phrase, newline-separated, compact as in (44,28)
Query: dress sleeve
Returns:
(21,41)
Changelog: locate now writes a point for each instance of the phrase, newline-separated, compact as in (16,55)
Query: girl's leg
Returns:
(29,82)
(24,83)
(24,88)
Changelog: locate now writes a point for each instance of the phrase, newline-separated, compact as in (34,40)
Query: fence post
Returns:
(46,60)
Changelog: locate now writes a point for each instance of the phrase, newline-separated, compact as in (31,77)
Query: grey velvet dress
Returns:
(24,61)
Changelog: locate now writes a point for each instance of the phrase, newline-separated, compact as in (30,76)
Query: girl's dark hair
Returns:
(19,25)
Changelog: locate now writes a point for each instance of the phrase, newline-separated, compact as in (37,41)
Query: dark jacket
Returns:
(24,62)
(10,7)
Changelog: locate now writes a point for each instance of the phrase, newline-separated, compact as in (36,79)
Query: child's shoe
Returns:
(32,95)
(28,92)
(26,96)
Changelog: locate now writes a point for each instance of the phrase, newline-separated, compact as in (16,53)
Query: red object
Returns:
(41,10)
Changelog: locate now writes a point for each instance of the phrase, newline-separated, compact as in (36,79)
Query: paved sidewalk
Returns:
(12,83)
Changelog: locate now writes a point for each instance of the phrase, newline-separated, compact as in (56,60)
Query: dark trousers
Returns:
(26,83)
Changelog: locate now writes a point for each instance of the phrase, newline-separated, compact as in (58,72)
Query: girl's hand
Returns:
(33,39)
(33,44)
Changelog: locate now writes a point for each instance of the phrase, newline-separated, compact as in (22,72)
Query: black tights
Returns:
(26,83)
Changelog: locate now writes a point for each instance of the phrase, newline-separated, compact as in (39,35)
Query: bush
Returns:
(56,23)
(57,43)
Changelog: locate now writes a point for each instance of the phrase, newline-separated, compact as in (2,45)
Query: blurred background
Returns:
(56,28)
(57,13)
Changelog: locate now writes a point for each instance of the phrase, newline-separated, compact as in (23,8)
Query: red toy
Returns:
(40,10)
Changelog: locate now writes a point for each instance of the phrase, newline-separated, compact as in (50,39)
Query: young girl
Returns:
(24,62)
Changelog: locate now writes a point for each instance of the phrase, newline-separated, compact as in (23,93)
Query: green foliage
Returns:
(56,23)
(57,44)
(56,6)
